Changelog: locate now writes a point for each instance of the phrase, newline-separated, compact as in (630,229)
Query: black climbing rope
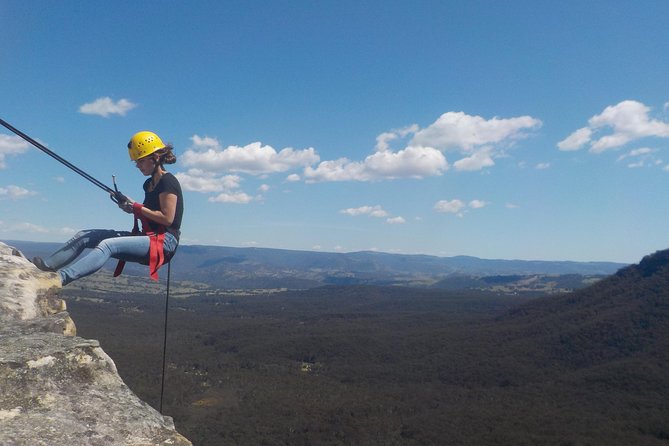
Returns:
(167,307)
(115,195)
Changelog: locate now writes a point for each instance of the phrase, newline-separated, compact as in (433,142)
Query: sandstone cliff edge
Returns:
(57,388)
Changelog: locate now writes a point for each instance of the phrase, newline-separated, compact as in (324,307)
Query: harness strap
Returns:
(156,243)
(156,254)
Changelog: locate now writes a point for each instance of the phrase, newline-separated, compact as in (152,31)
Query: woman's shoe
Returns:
(39,263)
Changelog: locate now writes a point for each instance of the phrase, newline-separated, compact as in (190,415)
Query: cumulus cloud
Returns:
(226,187)
(449,206)
(216,170)
(13,192)
(384,139)
(616,126)
(372,211)
(395,221)
(105,107)
(457,130)
(477,204)
(11,145)
(253,159)
(238,197)
(418,153)
(576,140)
(403,153)
(476,161)
(477,139)
(197,180)
(457,206)
(411,162)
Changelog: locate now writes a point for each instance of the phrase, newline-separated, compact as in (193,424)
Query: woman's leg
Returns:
(129,248)
(76,245)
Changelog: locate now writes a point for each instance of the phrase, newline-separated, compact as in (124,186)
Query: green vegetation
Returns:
(362,365)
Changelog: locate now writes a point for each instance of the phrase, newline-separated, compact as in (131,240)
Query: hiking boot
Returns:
(39,263)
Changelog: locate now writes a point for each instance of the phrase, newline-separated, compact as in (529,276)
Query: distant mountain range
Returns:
(228,267)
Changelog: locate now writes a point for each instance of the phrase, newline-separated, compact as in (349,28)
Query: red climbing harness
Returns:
(156,242)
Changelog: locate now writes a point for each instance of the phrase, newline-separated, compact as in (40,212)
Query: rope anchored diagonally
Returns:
(115,194)
(117,197)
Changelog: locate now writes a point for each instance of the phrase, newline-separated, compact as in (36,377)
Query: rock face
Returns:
(57,388)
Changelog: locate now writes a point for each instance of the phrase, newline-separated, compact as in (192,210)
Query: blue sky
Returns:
(518,130)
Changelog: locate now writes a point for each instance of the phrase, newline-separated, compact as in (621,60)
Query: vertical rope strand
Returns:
(167,306)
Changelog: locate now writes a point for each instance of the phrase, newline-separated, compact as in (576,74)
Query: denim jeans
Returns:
(104,243)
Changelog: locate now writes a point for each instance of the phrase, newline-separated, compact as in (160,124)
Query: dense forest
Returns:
(365,365)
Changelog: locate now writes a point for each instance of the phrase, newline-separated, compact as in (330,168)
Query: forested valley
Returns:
(369,365)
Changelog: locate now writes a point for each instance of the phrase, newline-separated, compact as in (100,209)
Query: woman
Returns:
(160,214)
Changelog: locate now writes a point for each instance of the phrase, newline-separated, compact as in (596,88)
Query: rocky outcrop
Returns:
(57,388)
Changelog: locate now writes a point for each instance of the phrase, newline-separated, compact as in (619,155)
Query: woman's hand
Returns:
(126,205)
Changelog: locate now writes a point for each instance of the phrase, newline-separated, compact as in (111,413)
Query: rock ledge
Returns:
(57,388)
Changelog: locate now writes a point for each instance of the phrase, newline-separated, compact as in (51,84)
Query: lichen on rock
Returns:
(57,388)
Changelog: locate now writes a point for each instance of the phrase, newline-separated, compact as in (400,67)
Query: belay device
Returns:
(117,197)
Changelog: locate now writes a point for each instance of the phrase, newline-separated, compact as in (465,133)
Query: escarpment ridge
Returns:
(57,388)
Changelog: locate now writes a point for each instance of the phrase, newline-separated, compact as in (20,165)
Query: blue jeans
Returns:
(105,243)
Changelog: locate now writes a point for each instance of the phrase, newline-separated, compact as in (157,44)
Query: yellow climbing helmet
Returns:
(143,144)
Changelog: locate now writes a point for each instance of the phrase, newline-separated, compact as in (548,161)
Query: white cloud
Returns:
(626,121)
(458,207)
(384,139)
(11,145)
(542,166)
(253,159)
(480,140)
(13,192)
(205,142)
(451,207)
(232,197)
(411,162)
(476,161)
(576,140)
(642,157)
(395,221)
(372,211)
(637,152)
(207,160)
(457,130)
(477,204)
(227,186)
(511,206)
(197,180)
(105,106)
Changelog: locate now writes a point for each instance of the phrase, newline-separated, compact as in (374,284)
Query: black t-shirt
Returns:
(168,183)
